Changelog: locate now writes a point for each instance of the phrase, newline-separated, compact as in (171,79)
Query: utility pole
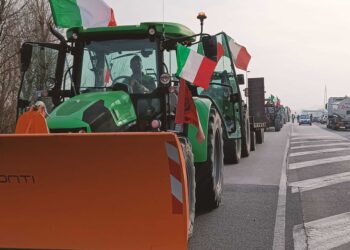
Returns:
(325,96)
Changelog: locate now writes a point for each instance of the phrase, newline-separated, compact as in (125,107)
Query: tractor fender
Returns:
(200,149)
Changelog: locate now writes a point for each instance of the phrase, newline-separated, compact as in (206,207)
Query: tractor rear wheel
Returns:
(191,181)
(209,176)
(252,140)
(246,138)
(260,136)
(277,125)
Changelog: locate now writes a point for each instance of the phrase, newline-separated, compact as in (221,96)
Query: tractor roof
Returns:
(171,30)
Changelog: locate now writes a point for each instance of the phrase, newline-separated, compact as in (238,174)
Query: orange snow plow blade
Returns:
(93,191)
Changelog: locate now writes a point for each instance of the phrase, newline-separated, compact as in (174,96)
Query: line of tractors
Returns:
(111,170)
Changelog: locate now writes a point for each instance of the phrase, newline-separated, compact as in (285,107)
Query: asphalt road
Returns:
(319,183)
(246,218)
(305,206)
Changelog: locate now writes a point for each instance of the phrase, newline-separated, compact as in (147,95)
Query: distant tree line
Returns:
(20,21)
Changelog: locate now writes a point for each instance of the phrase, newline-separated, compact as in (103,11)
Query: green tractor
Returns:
(89,84)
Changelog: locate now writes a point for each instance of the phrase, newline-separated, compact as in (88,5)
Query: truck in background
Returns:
(256,101)
(338,112)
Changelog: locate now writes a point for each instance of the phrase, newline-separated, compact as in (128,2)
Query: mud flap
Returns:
(93,191)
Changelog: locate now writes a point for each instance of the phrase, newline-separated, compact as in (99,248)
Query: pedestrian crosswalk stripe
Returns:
(312,137)
(325,140)
(317,151)
(326,233)
(318,162)
(315,183)
(322,145)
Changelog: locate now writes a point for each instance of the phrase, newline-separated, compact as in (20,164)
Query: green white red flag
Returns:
(194,67)
(186,111)
(239,54)
(82,13)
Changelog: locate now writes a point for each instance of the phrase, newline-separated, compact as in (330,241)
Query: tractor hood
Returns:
(93,112)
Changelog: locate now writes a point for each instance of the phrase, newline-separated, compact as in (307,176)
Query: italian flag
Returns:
(82,13)
(239,53)
(194,67)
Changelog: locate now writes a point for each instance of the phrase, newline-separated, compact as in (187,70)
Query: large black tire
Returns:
(209,175)
(252,141)
(232,151)
(245,138)
(277,125)
(191,182)
(260,137)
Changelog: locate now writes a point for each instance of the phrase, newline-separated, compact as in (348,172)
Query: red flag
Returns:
(221,51)
(107,77)
(186,111)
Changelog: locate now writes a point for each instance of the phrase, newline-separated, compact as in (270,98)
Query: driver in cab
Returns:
(140,82)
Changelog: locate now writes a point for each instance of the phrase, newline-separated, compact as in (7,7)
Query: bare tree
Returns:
(20,21)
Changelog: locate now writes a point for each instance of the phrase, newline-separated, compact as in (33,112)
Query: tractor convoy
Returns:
(109,163)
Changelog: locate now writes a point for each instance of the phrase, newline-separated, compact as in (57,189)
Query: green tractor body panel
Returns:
(114,108)
(200,149)
(172,30)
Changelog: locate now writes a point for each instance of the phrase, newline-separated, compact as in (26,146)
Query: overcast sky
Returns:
(298,46)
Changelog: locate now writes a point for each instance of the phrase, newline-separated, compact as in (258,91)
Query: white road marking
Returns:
(280,222)
(317,151)
(318,162)
(326,233)
(299,237)
(325,140)
(311,137)
(322,145)
(315,183)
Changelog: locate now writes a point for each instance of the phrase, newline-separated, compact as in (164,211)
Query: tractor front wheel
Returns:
(209,176)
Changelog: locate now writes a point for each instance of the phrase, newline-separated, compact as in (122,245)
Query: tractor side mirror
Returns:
(325,106)
(26,56)
(210,47)
(240,79)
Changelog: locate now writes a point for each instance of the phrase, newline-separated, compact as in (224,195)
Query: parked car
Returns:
(305,119)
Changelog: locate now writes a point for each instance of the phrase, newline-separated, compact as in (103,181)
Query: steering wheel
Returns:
(125,81)
(117,82)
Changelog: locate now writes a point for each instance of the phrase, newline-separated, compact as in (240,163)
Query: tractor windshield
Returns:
(113,62)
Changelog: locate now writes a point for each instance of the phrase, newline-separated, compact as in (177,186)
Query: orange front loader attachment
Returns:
(32,122)
(93,191)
